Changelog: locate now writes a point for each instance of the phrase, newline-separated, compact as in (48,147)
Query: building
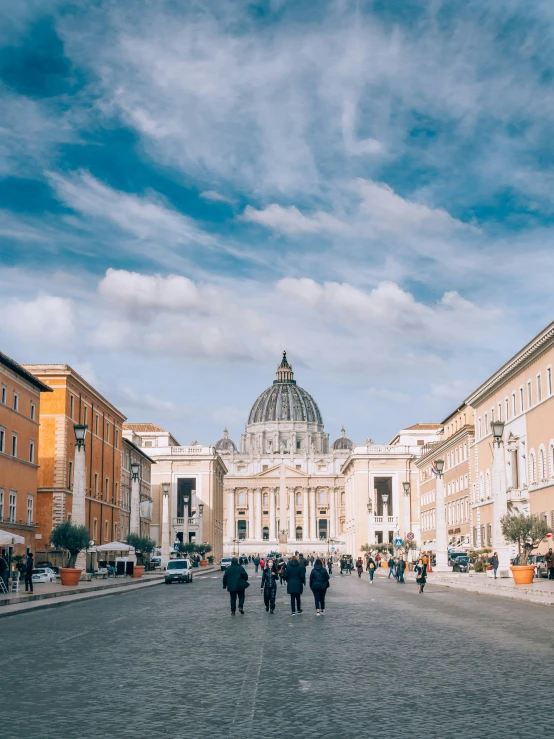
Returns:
(456,437)
(194,475)
(132,453)
(20,406)
(74,401)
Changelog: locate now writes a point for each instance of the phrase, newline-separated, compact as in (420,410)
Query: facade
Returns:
(195,477)
(456,437)
(131,452)
(74,401)
(20,404)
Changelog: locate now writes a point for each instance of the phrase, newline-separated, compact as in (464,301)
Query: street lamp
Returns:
(369,505)
(385,498)
(135,470)
(165,488)
(80,433)
(201,509)
(439,467)
(406,486)
(497,428)
(236,541)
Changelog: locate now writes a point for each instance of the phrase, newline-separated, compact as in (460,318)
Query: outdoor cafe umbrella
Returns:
(7,539)
(115,546)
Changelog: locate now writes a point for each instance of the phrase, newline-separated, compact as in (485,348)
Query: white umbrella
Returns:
(7,538)
(115,546)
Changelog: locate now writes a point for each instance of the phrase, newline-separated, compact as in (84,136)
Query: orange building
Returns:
(20,394)
(73,401)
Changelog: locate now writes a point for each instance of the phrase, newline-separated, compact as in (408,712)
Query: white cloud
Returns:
(132,289)
(216,197)
(46,319)
(290,220)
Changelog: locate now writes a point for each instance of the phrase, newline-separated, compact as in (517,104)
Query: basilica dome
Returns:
(225,444)
(342,443)
(285,400)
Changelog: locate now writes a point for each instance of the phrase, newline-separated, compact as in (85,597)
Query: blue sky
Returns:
(187,189)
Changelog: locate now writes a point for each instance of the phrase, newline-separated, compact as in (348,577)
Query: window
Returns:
(479,428)
(2,439)
(539,389)
(264,467)
(96,484)
(322,528)
(31,451)
(116,501)
(265,533)
(521,400)
(85,415)
(507,409)
(116,438)
(515,469)
(1,504)
(514,409)
(532,467)
(15,401)
(266,498)
(549,380)
(33,409)
(96,425)
(298,466)
(298,444)
(11,510)
(70,476)
(488,484)
(241,529)
(106,531)
(4,394)
(241,499)
(299,533)
(95,529)
(529,394)
(322,497)
(30,504)
(489,534)
(107,488)
(542,465)
(298,498)
(14,445)
(71,403)
(486,430)
(107,432)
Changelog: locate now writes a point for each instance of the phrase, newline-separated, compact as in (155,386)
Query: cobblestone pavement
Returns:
(170,661)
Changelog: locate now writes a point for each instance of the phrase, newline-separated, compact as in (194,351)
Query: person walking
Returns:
(256,561)
(400,568)
(392,567)
(421,574)
(303,562)
(494,562)
(330,565)
(269,585)
(295,575)
(319,582)
(359,566)
(29,566)
(371,567)
(235,579)
(378,560)
(262,563)
(549,560)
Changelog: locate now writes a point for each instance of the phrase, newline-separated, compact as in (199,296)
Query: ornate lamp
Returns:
(135,470)
(406,486)
(439,467)
(80,433)
(497,428)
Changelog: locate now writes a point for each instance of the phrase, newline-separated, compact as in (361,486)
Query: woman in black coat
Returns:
(235,579)
(295,575)
(421,574)
(269,585)
(319,582)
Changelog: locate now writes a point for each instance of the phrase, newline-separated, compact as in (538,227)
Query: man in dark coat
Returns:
(235,579)
(319,582)
(493,561)
(392,567)
(400,568)
(256,562)
(295,575)
(549,561)
(29,566)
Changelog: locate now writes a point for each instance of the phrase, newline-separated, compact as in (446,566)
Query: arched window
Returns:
(542,464)
(322,497)
(299,533)
(322,528)
(551,458)
(298,498)
(532,467)
(241,499)
(266,499)
(488,484)
(265,533)
(481,487)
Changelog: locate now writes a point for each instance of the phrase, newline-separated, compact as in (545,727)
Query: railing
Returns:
(381,519)
(189,450)
(388,449)
(180,521)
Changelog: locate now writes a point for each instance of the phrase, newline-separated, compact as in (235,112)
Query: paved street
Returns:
(169,661)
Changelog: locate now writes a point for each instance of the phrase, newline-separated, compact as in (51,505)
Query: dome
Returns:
(285,400)
(225,444)
(342,442)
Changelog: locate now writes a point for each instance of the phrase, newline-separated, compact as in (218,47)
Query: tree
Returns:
(71,538)
(525,531)
(407,546)
(188,548)
(204,549)
(141,544)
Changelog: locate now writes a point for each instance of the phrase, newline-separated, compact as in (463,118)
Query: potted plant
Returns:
(211,559)
(189,549)
(203,549)
(527,532)
(142,546)
(73,539)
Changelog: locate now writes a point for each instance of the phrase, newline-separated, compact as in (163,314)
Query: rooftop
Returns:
(423,427)
(144,427)
(23,373)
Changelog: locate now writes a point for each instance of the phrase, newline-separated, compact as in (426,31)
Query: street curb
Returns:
(523,596)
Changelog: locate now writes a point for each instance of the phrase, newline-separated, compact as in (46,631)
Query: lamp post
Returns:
(134,522)
(186,499)
(500,507)
(201,521)
(407,507)
(441,545)
(237,542)
(165,526)
(78,512)
(329,542)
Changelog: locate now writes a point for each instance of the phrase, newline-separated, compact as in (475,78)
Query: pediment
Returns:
(275,472)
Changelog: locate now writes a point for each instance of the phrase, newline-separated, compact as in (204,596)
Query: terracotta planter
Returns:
(523,574)
(138,571)
(70,576)
(203,562)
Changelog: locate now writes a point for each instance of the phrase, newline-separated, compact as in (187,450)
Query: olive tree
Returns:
(72,538)
(525,531)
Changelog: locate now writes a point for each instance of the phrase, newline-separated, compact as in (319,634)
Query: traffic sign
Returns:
(398,542)
(410,535)
(332,549)
(549,535)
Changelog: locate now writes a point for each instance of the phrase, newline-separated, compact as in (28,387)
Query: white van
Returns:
(178,570)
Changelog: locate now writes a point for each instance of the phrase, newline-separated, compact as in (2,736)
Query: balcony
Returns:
(189,450)
(389,520)
(515,495)
(180,521)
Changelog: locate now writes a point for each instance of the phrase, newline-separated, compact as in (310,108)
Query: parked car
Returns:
(453,556)
(44,563)
(225,562)
(178,570)
(43,574)
(155,562)
(541,569)
(462,564)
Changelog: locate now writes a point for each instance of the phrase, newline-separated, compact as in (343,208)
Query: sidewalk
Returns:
(51,595)
(541,591)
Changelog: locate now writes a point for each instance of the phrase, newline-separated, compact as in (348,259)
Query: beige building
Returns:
(132,453)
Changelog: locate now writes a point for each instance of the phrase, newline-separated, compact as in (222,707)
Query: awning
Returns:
(115,546)
(7,538)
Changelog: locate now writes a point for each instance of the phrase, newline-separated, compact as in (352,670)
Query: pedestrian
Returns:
(359,566)
(400,568)
(235,579)
(330,565)
(269,585)
(303,562)
(4,570)
(421,574)
(29,566)
(378,560)
(319,582)
(295,575)
(262,563)
(256,561)
(549,560)
(392,567)
(494,562)
(371,567)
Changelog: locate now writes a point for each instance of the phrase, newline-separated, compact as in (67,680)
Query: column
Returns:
(282,497)
(250,513)
(385,522)
(134,520)
(313,535)
(500,508)
(332,513)
(165,531)
(78,514)
(186,519)
(258,509)
(441,547)
(231,514)
(272,533)
(292,517)
(306,521)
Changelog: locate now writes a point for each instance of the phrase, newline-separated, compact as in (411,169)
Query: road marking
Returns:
(304,685)
(69,638)
(119,618)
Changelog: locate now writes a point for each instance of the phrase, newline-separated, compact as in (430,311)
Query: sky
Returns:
(189,188)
